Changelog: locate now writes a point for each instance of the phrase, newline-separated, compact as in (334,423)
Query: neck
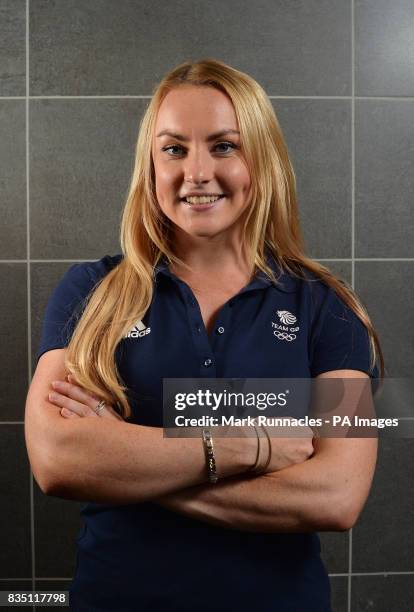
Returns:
(212,256)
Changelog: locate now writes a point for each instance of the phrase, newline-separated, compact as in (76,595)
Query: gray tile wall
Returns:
(74,79)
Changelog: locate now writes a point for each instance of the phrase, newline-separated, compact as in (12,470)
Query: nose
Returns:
(198,167)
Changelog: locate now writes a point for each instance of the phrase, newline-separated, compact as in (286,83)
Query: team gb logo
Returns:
(286,317)
(284,330)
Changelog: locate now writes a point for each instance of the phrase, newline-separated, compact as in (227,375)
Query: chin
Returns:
(205,230)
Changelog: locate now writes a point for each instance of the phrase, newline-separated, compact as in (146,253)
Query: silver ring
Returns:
(99,407)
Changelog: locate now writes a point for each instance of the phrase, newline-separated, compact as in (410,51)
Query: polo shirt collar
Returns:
(286,283)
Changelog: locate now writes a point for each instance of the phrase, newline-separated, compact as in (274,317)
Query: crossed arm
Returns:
(326,492)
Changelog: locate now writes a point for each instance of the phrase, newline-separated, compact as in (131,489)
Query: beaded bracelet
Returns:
(210,459)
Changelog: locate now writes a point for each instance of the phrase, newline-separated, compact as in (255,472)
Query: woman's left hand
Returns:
(76,402)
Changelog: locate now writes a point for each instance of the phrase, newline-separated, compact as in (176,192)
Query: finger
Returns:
(71,404)
(111,412)
(76,393)
(73,381)
(108,411)
(68,414)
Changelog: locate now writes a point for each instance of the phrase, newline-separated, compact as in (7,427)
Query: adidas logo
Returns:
(138,331)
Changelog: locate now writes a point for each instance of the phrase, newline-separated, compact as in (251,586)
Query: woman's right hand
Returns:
(289,446)
(287,450)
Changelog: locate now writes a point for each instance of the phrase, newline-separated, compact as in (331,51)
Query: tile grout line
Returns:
(346,259)
(349,606)
(331,575)
(29,327)
(148,97)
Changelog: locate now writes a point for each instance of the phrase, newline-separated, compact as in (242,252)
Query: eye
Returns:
(226,144)
(220,144)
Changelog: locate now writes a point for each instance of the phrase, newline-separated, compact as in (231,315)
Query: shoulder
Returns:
(327,309)
(303,282)
(79,281)
(81,278)
(95,270)
(308,284)
(68,299)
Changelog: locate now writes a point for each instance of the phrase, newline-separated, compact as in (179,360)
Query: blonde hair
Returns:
(124,295)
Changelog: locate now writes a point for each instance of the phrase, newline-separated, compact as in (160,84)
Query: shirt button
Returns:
(208,363)
(220,330)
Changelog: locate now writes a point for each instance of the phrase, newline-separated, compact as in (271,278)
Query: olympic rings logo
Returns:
(284,336)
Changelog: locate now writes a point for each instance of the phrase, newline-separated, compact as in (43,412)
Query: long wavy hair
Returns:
(124,295)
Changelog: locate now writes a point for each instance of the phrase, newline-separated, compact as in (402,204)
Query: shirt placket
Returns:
(206,358)
(208,347)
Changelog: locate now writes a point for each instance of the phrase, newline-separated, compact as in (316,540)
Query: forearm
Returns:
(118,462)
(299,498)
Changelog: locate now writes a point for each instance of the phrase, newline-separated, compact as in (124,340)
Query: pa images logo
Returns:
(285,329)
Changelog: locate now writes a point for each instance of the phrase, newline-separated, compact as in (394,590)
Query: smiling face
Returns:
(201,155)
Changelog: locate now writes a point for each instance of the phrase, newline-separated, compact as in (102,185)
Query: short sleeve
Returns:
(64,308)
(341,340)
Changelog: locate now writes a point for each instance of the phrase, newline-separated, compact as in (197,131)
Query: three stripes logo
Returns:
(138,331)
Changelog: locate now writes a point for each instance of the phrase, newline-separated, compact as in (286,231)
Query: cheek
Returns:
(238,176)
(163,178)
(165,184)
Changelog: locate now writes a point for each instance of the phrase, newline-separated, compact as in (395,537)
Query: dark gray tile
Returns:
(57,524)
(384,48)
(387,290)
(81,157)
(318,137)
(15,550)
(339,593)
(383,538)
(13,239)
(341,269)
(15,585)
(102,47)
(384,178)
(58,584)
(13,333)
(44,278)
(382,593)
(335,551)
(13,48)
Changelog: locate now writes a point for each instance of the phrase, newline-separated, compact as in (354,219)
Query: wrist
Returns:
(236,451)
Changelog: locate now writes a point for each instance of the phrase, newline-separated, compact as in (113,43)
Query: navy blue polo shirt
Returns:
(142,556)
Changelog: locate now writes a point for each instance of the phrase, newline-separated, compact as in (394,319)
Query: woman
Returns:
(212,282)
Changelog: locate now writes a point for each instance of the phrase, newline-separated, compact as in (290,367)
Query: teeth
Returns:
(202,199)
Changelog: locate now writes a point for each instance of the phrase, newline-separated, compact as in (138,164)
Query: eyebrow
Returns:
(209,138)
